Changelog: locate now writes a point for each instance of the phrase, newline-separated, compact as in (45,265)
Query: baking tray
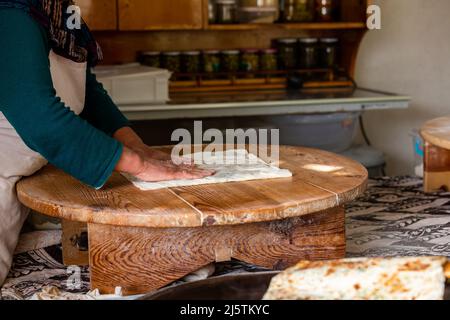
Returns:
(248,286)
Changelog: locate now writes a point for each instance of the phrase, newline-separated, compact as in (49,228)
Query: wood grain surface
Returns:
(144,259)
(160,15)
(320,181)
(99,14)
(436,168)
(437,132)
(73,254)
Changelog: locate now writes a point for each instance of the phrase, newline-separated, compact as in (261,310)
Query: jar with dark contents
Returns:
(226,11)
(151,59)
(171,61)
(287,53)
(250,62)
(190,62)
(211,61)
(328,53)
(326,10)
(268,60)
(299,10)
(230,60)
(307,53)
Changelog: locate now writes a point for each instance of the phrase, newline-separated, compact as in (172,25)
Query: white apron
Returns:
(17,160)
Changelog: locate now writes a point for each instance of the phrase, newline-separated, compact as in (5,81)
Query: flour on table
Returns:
(230,166)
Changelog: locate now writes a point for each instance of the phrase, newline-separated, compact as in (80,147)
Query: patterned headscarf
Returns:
(78,45)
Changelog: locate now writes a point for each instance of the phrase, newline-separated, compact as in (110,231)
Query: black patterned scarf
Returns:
(76,44)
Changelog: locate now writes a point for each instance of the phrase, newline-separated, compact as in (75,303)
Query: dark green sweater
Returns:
(80,145)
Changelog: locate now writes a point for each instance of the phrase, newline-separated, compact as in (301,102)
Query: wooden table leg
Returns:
(144,259)
(74,243)
(436,168)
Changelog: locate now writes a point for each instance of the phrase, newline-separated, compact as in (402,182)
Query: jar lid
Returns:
(230,52)
(225,1)
(250,51)
(329,40)
(151,53)
(191,53)
(308,40)
(171,53)
(211,51)
(258,9)
(270,50)
(287,40)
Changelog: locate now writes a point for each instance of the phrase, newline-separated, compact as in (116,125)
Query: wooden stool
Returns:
(436,134)
(144,240)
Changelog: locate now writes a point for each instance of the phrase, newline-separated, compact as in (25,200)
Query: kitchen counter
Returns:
(263,103)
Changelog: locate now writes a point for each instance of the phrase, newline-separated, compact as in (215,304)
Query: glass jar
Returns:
(226,11)
(211,61)
(171,61)
(190,61)
(250,61)
(307,53)
(151,59)
(268,60)
(328,55)
(230,61)
(258,11)
(299,10)
(287,53)
(258,3)
(326,10)
(212,11)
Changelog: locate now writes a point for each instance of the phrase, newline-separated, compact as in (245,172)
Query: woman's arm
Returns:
(103,113)
(28,100)
(100,110)
(129,138)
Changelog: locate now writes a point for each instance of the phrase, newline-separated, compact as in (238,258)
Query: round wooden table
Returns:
(144,240)
(436,134)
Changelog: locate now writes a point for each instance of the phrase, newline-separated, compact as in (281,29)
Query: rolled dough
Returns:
(229,165)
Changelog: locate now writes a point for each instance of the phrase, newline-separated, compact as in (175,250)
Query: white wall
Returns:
(409,55)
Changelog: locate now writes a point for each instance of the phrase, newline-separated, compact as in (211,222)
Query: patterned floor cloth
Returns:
(396,218)
(393,218)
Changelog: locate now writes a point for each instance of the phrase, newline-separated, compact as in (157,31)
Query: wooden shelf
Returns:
(238,26)
(280,85)
(324,26)
(259,80)
(291,26)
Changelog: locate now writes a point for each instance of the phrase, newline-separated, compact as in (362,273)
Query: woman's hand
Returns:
(152,165)
(152,170)
(157,170)
(152,153)
(130,139)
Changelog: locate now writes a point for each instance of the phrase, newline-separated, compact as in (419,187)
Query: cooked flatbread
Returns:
(420,278)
